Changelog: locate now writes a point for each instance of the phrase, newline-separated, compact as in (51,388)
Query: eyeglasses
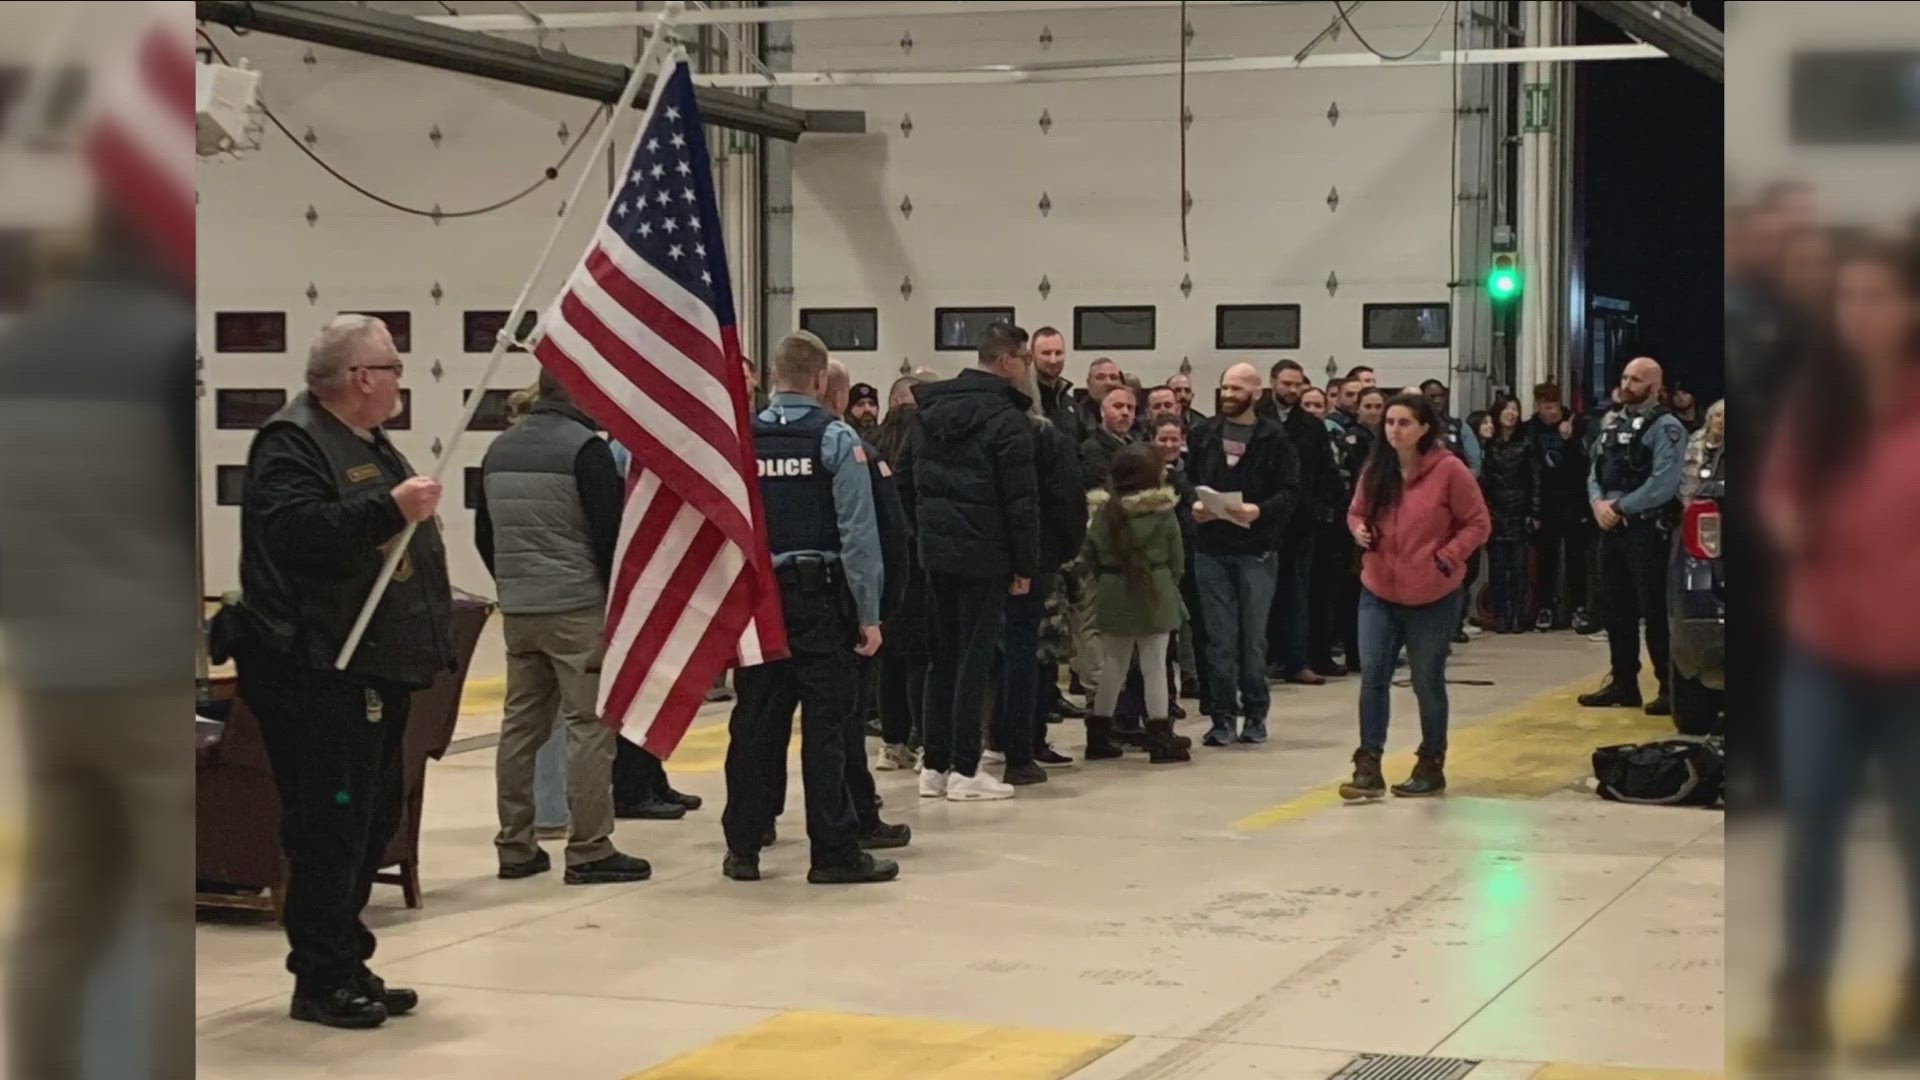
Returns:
(398,369)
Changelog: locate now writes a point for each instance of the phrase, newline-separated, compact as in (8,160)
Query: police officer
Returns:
(327,496)
(817,489)
(1634,489)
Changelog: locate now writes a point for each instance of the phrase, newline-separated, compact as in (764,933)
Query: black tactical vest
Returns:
(305,609)
(1625,457)
(796,490)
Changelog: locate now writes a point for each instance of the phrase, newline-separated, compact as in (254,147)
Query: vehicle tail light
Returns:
(1700,529)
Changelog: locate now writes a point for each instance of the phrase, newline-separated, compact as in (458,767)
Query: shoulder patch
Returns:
(860,453)
(885,471)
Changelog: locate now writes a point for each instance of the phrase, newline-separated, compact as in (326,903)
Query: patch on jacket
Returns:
(360,474)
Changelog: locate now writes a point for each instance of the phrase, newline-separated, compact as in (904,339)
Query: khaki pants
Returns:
(553,671)
(1086,636)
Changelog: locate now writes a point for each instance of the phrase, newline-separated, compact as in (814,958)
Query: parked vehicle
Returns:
(1697,609)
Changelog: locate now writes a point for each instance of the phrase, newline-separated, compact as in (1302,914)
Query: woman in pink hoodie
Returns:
(1418,515)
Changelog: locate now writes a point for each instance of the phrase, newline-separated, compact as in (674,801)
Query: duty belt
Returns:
(810,573)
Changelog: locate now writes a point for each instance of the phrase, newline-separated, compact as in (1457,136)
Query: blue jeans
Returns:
(1236,592)
(1426,632)
(550,780)
(1834,725)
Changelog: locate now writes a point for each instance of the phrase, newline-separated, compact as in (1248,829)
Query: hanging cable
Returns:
(742,50)
(551,173)
(1186,250)
(1410,53)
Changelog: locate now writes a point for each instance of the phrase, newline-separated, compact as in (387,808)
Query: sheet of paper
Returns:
(1217,503)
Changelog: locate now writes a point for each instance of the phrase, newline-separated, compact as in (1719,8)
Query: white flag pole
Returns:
(656,46)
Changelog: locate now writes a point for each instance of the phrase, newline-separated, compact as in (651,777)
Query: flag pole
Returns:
(656,46)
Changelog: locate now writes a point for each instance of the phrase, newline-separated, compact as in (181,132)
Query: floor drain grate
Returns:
(1404,1067)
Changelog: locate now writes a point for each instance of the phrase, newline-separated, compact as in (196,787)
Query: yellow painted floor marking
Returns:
(1524,753)
(1620,1072)
(833,1046)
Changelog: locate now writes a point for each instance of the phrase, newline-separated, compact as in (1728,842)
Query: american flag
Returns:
(139,142)
(644,338)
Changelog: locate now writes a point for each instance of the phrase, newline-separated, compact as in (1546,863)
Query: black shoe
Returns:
(1429,778)
(539,864)
(1660,705)
(612,870)
(650,810)
(868,870)
(689,802)
(1067,710)
(1175,712)
(888,836)
(741,867)
(1330,669)
(1048,758)
(1025,775)
(772,838)
(1616,694)
(1460,636)
(399,1000)
(1583,624)
(1543,622)
(344,1008)
(1218,736)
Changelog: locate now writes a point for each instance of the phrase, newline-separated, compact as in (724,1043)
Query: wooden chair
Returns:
(237,828)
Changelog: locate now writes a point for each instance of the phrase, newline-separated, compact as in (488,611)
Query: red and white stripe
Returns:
(692,590)
(139,140)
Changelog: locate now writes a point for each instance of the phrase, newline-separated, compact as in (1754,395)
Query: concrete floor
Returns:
(1123,922)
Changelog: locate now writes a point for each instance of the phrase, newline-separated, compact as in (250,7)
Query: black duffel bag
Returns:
(1670,772)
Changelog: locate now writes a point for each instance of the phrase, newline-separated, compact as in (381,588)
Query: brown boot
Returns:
(1161,749)
(1429,777)
(1367,784)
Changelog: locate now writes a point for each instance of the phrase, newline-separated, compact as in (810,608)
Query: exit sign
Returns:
(1539,107)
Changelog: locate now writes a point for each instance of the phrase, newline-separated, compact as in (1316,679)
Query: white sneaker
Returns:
(896,757)
(933,785)
(992,757)
(980,787)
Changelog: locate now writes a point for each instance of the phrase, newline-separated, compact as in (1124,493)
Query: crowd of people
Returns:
(940,558)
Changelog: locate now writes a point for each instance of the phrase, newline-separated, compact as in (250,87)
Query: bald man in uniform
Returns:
(1634,490)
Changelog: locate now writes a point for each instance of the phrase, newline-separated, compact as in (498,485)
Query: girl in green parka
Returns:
(1133,548)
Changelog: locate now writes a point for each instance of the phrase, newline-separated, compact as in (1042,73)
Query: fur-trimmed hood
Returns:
(1138,503)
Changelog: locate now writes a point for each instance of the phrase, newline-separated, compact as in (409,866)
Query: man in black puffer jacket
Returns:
(979,534)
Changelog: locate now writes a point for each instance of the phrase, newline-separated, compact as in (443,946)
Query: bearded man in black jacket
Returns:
(1321,499)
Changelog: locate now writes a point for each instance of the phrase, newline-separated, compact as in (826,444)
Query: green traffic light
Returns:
(1503,284)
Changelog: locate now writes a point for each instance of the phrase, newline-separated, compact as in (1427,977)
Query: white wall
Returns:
(1262,158)
(1869,185)
(372,118)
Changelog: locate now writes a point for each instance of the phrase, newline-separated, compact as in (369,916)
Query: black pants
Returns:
(1196,619)
(823,689)
(1633,588)
(1332,555)
(965,633)
(903,690)
(1507,567)
(338,772)
(1467,604)
(638,776)
(1021,718)
(1567,530)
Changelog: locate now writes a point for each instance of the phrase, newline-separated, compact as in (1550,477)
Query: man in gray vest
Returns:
(546,523)
(327,497)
